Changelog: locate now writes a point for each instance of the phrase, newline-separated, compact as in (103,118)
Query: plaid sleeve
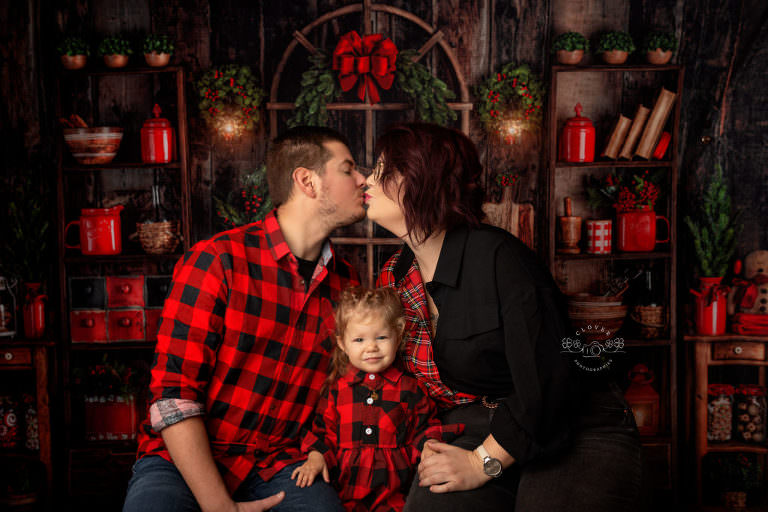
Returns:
(191,326)
(426,425)
(323,437)
(170,411)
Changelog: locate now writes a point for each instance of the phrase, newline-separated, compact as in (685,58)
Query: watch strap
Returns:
(484,455)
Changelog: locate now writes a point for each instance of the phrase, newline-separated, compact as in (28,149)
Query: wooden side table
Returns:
(21,355)
(726,350)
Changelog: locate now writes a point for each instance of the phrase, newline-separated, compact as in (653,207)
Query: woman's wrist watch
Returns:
(491,467)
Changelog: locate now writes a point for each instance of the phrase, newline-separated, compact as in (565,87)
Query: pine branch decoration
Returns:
(714,233)
(428,93)
(318,88)
(249,204)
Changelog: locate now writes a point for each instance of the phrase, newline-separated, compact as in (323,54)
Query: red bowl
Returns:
(93,146)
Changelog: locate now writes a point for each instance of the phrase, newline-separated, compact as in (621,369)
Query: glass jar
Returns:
(720,412)
(750,414)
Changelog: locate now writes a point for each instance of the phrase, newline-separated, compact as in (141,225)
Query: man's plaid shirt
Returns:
(245,344)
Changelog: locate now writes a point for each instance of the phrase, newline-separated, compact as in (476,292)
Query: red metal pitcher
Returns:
(577,141)
(711,303)
(99,231)
(637,230)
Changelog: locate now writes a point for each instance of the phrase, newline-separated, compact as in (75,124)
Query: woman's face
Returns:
(381,208)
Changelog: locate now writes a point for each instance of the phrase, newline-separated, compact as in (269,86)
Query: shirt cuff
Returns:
(170,411)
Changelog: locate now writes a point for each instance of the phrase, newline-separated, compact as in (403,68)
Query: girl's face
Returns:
(369,342)
(381,208)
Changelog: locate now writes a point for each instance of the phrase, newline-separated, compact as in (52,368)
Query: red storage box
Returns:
(110,418)
(88,326)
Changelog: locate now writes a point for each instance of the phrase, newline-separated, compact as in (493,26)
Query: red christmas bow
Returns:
(370,58)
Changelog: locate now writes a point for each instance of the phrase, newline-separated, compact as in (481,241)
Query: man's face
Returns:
(341,190)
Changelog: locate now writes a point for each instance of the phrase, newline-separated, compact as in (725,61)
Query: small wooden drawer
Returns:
(125,291)
(125,325)
(153,322)
(15,357)
(739,350)
(88,326)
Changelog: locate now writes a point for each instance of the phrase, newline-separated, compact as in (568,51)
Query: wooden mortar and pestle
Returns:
(570,230)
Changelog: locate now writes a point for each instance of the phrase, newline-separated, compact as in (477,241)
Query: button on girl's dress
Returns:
(372,376)
(368,431)
(369,401)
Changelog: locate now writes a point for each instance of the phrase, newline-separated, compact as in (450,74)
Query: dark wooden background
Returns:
(722,44)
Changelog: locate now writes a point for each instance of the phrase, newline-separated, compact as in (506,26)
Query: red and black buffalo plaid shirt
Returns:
(370,429)
(241,335)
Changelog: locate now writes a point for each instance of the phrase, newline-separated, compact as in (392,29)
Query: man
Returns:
(243,346)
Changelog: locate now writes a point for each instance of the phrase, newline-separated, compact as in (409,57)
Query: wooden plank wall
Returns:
(723,46)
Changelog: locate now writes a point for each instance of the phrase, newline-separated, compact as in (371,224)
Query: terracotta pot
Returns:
(569,57)
(157,60)
(116,61)
(658,56)
(615,57)
(73,61)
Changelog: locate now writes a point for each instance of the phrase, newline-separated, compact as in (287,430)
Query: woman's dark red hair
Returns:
(440,173)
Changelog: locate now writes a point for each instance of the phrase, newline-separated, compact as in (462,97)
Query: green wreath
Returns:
(514,93)
(232,92)
(428,94)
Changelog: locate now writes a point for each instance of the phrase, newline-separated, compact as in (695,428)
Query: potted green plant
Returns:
(115,50)
(158,50)
(615,46)
(569,47)
(733,475)
(74,52)
(658,47)
(714,230)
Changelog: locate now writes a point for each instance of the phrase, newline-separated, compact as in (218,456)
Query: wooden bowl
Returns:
(93,146)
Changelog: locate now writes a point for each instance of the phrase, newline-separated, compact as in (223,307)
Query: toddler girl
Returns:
(373,419)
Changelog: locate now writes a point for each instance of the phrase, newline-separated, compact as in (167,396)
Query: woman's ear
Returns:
(303,179)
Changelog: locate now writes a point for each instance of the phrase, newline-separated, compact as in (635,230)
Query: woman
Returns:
(484,327)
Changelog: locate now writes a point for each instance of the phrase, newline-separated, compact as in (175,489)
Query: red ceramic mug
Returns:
(99,231)
(636,230)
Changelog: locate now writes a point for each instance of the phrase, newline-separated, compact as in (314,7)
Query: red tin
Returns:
(157,139)
(88,326)
(99,231)
(577,140)
(110,418)
(125,291)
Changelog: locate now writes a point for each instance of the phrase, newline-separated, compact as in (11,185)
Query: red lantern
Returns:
(643,399)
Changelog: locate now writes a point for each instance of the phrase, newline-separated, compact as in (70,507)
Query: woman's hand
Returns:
(450,468)
(306,473)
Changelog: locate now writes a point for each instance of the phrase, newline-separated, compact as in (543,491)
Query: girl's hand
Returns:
(306,473)
(450,468)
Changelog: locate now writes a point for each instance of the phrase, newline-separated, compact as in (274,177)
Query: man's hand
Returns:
(450,468)
(260,505)
(426,451)
(306,473)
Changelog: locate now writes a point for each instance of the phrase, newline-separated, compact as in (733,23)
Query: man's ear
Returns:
(304,180)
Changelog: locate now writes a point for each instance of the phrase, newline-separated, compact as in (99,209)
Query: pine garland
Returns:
(318,88)
(250,204)
(714,233)
(428,93)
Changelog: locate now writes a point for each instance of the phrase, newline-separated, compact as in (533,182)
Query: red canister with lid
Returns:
(577,141)
(157,139)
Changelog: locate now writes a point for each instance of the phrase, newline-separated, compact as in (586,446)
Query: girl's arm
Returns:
(323,437)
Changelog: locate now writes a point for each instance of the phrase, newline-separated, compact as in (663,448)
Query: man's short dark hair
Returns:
(301,146)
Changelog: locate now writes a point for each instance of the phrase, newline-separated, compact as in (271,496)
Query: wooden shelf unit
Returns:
(82,459)
(713,351)
(560,179)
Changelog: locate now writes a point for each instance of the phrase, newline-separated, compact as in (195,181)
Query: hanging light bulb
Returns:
(511,130)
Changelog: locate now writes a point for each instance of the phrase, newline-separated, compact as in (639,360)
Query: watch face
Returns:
(492,467)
